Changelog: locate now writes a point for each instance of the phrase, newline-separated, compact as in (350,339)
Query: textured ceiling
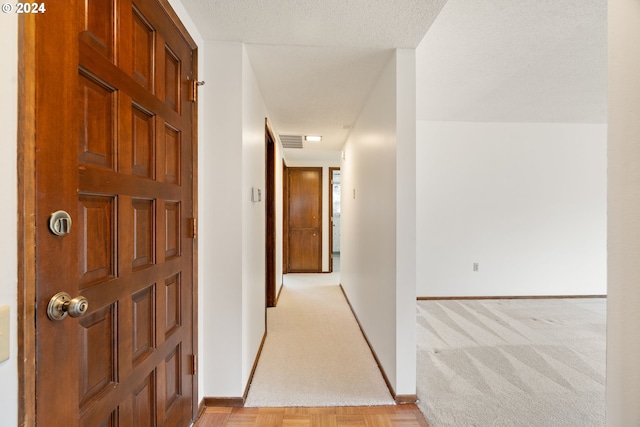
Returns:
(355,23)
(316,90)
(316,60)
(481,60)
(515,61)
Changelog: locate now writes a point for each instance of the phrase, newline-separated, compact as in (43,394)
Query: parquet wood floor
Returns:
(360,416)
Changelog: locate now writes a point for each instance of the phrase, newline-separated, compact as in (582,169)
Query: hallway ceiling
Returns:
(316,60)
(481,60)
(378,24)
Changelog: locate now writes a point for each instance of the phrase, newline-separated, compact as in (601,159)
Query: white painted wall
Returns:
(221,221)
(8,210)
(368,201)
(378,187)
(527,201)
(406,356)
(326,213)
(232,258)
(254,112)
(623,315)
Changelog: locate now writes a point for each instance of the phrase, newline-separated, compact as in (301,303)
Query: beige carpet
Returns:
(315,354)
(512,362)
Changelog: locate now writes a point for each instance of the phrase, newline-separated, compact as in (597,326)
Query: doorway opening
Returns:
(334,218)
(270,216)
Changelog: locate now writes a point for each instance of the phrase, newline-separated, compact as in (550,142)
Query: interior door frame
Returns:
(270,215)
(27,194)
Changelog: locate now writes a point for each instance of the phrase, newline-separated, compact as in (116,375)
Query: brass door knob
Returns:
(62,304)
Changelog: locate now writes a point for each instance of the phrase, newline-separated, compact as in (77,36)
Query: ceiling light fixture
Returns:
(312,138)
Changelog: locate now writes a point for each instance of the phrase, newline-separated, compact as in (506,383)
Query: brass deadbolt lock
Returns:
(60,223)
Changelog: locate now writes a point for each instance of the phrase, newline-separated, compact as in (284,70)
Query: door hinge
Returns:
(194,364)
(193,95)
(193,228)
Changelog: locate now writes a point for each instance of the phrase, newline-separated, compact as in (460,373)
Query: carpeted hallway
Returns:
(315,354)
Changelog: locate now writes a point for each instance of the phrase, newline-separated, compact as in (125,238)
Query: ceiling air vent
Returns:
(291,141)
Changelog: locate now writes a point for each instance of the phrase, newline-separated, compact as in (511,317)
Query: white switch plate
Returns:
(5,321)
(256,194)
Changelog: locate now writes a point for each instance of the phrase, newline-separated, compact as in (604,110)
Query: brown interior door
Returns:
(114,126)
(305,220)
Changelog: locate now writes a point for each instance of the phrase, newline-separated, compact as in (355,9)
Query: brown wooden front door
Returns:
(304,189)
(114,147)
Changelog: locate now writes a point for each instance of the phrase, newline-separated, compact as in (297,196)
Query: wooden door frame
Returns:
(26,228)
(270,215)
(195,404)
(27,195)
(331,170)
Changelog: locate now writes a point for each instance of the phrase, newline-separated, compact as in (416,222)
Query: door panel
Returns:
(305,220)
(304,250)
(114,148)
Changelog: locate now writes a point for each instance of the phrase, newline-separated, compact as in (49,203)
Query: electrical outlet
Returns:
(476,266)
